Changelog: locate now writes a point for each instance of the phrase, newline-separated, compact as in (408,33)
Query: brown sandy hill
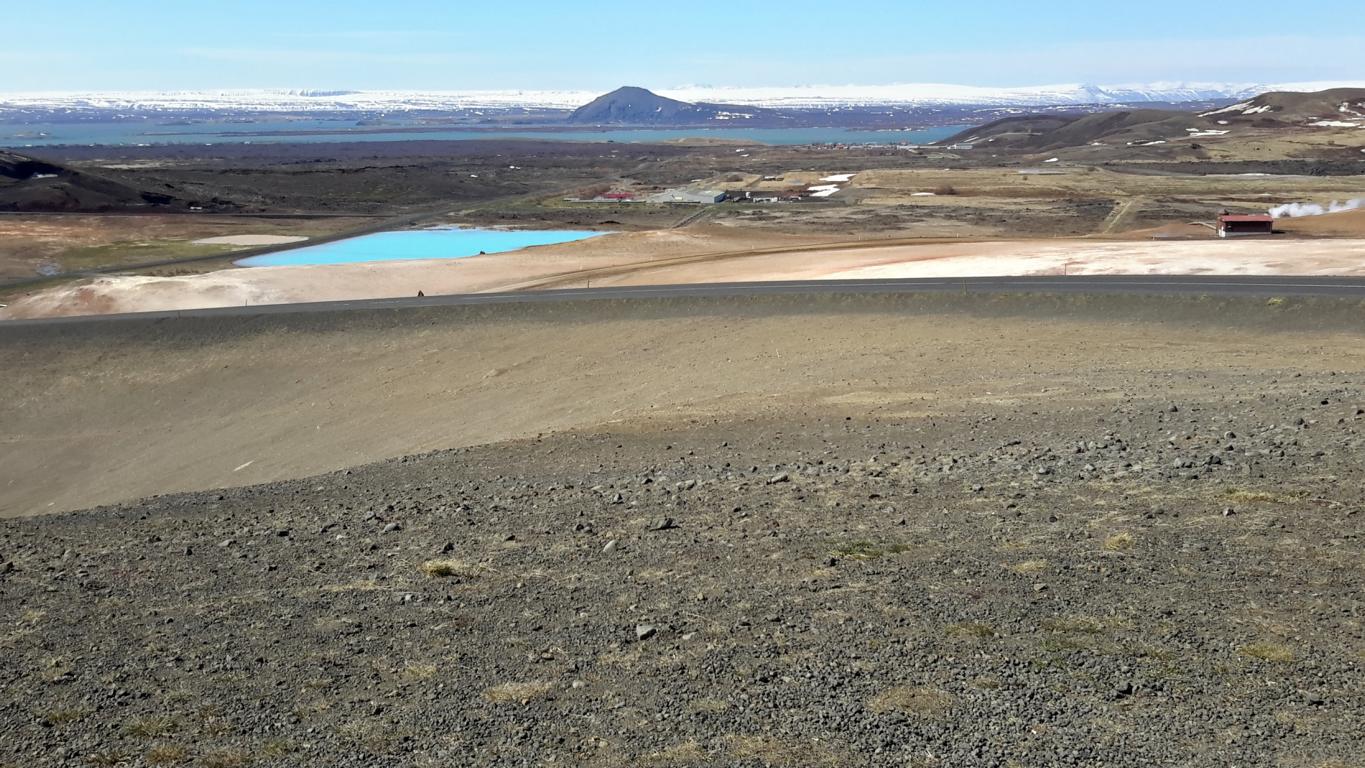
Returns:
(1277,110)
(1045,132)
(1278,107)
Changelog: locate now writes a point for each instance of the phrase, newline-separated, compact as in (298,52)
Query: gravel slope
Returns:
(1129,579)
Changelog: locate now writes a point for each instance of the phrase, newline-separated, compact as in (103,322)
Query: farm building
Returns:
(1230,225)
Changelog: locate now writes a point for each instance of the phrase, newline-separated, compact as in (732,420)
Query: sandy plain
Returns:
(713,254)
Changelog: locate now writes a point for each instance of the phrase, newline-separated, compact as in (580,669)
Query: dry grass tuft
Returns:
(1248,496)
(1085,625)
(1029,567)
(1119,542)
(977,629)
(518,693)
(1267,651)
(417,672)
(867,550)
(64,715)
(277,748)
(166,754)
(687,753)
(108,758)
(777,753)
(227,758)
(445,568)
(912,701)
(149,727)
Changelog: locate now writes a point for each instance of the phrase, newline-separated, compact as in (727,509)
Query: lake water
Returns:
(135,133)
(415,244)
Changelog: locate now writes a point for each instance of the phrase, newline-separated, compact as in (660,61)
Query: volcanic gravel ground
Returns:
(1130,583)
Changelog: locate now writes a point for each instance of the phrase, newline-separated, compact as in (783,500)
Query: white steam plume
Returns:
(1295,210)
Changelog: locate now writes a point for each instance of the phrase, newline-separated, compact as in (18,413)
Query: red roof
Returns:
(1252,219)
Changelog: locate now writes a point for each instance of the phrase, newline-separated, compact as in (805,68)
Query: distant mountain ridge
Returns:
(932,94)
(1334,108)
(907,94)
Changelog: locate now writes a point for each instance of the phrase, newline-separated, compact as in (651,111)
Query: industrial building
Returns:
(1230,225)
(690,196)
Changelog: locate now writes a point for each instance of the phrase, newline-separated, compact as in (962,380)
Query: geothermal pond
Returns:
(415,244)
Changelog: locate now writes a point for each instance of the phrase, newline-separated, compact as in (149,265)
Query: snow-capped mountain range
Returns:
(797,97)
(931,94)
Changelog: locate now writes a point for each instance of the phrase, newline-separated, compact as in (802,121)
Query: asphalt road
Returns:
(1157,285)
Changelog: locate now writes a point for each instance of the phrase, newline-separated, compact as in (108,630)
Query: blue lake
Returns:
(415,244)
(267,131)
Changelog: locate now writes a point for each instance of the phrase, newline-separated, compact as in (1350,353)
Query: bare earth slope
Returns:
(857,531)
(102,412)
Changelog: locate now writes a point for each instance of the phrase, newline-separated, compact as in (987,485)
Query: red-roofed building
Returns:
(1243,226)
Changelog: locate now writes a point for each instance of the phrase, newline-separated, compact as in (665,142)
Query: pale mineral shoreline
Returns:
(670,257)
(251,240)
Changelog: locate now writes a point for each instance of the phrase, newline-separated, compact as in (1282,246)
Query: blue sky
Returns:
(458,44)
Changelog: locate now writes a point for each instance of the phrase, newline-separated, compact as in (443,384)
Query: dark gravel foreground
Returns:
(1131,583)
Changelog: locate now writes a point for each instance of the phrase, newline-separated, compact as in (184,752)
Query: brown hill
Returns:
(1337,108)
(31,184)
(1039,133)
(1338,104)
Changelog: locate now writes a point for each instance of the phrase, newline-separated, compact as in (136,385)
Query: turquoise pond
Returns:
(415,244)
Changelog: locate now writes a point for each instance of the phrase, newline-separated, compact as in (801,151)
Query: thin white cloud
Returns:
(305,57)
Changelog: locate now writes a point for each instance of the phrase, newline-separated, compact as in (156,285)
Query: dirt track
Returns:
(919,531)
